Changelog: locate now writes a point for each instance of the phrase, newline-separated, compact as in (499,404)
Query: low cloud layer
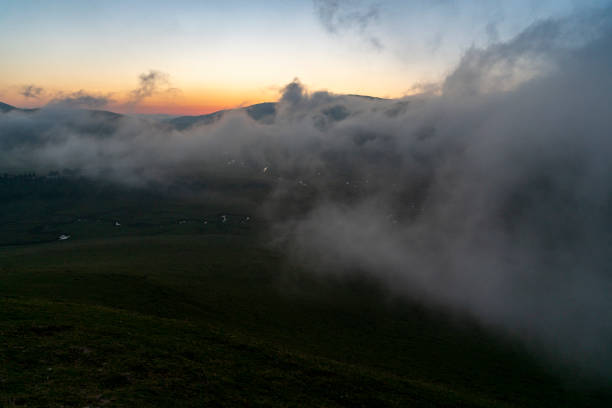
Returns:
(80,100)
(491,196)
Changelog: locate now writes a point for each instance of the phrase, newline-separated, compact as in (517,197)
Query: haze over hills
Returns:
(260,112)
(263,112)
(458,239)
(486,167)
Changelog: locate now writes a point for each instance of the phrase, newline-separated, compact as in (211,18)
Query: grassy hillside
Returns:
(167,310)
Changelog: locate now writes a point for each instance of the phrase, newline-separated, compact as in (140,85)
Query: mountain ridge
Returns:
(261,112)
(4,107)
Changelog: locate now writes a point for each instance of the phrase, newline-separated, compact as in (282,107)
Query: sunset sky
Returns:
(213,55)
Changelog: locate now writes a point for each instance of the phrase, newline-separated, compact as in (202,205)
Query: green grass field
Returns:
(166,310)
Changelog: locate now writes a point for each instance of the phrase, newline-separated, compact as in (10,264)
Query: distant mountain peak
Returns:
(259,112)
(6,108)
(371,98)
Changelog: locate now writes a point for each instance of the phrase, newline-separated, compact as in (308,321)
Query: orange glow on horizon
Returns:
(197,101)
(185,99)
(174,109)
(192,102)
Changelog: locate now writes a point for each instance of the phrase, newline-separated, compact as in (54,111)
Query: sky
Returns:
(194,57)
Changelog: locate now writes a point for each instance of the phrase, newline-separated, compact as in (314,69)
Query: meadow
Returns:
(156,300)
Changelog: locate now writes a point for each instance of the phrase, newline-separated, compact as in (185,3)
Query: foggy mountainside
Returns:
(486,197)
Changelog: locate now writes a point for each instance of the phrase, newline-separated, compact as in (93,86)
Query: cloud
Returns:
(293,93)
(80,99)
(151,83)
(488,195)
(338,16)
(31,91)
(492,32)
